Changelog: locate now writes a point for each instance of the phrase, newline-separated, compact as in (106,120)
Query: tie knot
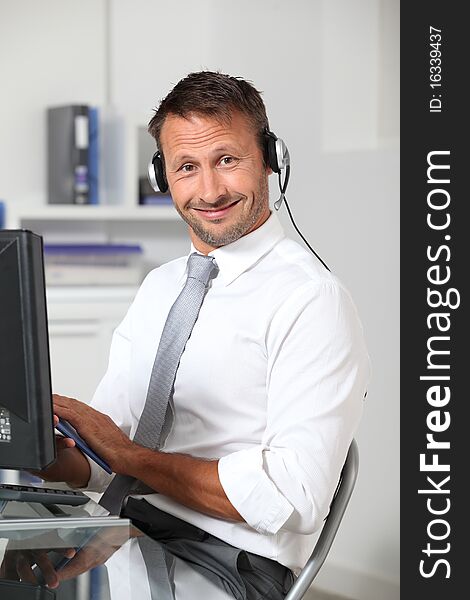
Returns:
(201,267)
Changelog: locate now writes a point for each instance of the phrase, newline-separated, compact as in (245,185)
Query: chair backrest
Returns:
(330,526)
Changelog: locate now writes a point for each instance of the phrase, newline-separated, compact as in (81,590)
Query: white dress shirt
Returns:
(271,383)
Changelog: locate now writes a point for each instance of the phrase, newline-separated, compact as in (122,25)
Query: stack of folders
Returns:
(73,154)
(93,264)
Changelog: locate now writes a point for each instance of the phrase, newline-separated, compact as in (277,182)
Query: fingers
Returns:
(44,572)
(88,557)
(62,443)
(70,409)
(63,399)
(48,572)
(24,567)
(62,406)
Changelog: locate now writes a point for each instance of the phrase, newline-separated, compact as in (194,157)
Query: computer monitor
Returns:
(27,439)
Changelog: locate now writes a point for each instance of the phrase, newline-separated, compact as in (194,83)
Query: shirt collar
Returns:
(237,257)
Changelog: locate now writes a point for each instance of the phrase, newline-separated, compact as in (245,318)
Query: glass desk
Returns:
(96,557)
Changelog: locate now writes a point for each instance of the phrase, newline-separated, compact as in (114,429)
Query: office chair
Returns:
(331,524)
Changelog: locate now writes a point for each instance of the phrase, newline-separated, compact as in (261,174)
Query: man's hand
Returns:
(97,429)
(97,550)
(49,563)
(33,565)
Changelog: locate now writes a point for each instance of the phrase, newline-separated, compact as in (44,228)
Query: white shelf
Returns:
(160,231)
(80,293)
(94,213)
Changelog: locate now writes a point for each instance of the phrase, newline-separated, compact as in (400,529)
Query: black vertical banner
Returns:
(435,360)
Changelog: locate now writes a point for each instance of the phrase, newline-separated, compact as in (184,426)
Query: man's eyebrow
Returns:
(182,158)
(221,149)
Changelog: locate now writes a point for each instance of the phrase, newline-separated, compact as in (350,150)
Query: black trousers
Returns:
(242,574)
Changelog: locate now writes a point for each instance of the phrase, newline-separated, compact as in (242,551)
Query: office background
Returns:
(329,72)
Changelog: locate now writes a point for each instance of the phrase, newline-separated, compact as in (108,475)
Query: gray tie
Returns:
(178,327)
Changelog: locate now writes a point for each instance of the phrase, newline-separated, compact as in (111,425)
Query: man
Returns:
(270,386)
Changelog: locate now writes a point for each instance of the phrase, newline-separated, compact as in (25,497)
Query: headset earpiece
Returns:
(156,173)
(270,150)
(276,152)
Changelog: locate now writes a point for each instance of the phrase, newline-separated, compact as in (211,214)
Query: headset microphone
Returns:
(282,188)
(276,157)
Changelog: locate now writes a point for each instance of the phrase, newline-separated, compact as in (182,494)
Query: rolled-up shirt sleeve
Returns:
(253,493)
(99,478)
(318,370)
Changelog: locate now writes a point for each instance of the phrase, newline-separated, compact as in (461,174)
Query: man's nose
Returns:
(212,186)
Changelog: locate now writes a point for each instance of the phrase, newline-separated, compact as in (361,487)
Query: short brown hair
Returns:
(212,94)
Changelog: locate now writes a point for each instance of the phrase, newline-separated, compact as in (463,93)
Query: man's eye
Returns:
(186,168)
(227,160)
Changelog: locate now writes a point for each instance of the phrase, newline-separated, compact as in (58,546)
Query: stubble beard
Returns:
(238,229)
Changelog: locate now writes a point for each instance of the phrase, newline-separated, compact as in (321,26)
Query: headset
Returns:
(276,156)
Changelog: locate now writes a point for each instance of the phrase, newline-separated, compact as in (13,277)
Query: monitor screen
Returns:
(27,438)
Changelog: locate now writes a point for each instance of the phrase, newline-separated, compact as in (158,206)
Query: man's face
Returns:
(216,176)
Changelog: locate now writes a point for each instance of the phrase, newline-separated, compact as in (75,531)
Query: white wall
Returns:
(329,73)
(51,52)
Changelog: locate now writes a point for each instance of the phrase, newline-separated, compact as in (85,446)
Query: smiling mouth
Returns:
(216,213)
